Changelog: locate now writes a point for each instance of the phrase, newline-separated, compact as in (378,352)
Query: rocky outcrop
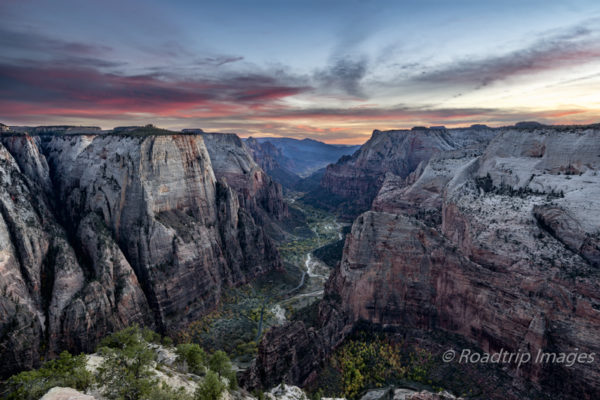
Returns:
(353,182)
(265,154)
(101,231)
(495,247)
(289,353)
(424,395)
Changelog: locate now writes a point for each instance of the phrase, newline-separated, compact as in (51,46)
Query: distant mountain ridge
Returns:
(302,157)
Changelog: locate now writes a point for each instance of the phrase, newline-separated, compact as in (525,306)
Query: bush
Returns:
(150,336)
(126,371)
(219,362)
(166,392)
(127,337)
(65,371)
(211,388)
(193,355)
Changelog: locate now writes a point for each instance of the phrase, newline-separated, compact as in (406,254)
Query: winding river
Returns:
(315,273)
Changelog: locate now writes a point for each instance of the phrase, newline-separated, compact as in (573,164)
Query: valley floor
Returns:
(248,311)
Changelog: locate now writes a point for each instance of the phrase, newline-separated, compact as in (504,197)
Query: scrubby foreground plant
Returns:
(67,371)
(128,371)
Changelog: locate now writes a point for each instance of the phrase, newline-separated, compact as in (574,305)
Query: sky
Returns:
(329,70)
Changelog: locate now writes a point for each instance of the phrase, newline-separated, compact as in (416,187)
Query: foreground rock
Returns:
(424,395)
(60,393)
(491,250)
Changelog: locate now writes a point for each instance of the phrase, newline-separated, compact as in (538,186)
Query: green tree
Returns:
(211,388)
(126,371)
(219,362)
(193,355)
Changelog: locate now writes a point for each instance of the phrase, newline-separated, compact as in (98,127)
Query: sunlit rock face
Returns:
(101,231)
(497,246)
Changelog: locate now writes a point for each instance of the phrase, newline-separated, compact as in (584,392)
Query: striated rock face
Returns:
(289,353)
(49,295)
(265,154)
(101,231)
(497,247)
(232,161)
(355,180)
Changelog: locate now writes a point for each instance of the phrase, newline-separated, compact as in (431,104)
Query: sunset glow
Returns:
(299,69)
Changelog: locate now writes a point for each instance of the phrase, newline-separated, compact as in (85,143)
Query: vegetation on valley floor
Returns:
(324,230)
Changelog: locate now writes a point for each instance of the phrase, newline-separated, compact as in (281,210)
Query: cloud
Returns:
(570,47)
(34,48)
(32,41)
(404,116)
(55,87)
(344,74)
(48,80)
(218,60)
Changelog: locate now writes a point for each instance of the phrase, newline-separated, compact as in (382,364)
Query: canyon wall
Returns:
(99,231)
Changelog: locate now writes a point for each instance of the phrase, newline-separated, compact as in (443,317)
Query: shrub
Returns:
(66,371)
(211,388)
(166,392)
(219,362)
(127,337)
(126,370)
(374,362)
(193,355)
(367,363)
(150,336)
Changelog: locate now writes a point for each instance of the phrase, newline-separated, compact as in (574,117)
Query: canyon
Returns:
(489,243)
